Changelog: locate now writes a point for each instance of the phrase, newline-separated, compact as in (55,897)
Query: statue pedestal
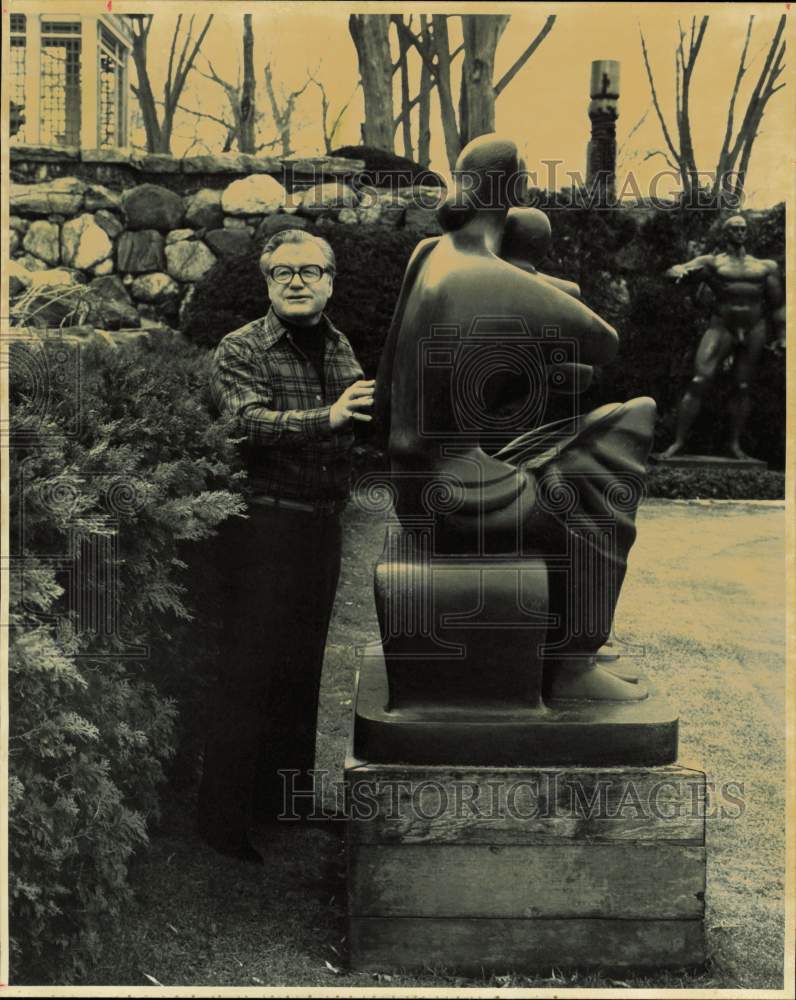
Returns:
(479,869)
(709,462)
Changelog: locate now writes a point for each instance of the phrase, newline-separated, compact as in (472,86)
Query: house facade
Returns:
(68,78)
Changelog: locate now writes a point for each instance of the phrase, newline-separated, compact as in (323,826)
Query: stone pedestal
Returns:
(709,462)
(497,869)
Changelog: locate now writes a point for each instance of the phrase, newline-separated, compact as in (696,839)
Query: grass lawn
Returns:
(703,608)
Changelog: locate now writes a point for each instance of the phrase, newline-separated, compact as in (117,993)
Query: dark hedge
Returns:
(715,484)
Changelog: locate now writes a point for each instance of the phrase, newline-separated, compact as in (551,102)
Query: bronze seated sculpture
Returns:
(501,573)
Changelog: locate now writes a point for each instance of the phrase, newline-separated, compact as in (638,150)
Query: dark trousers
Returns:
(279,571)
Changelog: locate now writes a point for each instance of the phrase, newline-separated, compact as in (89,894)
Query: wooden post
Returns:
(32,78)
(89,83)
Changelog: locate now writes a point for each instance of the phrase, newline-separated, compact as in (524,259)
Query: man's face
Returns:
(298,301)
(736,231)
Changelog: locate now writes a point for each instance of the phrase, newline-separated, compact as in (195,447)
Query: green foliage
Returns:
(116,461)
(716,484)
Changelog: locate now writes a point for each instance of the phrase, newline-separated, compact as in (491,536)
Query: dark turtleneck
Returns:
(311,341)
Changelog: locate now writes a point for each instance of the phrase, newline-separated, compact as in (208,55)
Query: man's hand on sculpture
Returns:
(352,401)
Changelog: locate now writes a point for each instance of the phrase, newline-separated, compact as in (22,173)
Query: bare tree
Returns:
(424,100)
(159,131)
(282,108)
(422,97)
(248,113)
(733,161)
(370,34)
(330,131)
(478,92)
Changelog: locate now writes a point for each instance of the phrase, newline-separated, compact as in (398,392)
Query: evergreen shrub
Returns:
(115,463)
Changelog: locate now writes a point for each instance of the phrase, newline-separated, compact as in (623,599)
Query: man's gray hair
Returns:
(296,236)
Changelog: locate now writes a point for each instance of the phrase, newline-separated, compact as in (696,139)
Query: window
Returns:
(17,77)
(59,99)
(112,91)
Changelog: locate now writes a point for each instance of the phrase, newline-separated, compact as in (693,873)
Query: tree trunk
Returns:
(453,143)
(370,34)
(146,98)
(424,104)
(406,114)
(477,98)
(247,102)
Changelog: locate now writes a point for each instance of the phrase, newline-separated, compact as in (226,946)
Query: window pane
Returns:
(60,28)
(60,91)
(18,23)
(17,88)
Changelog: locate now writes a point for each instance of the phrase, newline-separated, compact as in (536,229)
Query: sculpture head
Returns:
(735,230)
(526,236)
(299,269)
(488,173)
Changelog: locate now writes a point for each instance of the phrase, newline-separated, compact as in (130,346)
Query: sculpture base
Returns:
(586,733)
(481,870)
(709,462)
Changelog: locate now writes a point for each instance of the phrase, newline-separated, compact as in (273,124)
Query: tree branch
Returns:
(655,103)
(509,75)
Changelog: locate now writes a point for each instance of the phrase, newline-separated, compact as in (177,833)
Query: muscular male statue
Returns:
(747,294)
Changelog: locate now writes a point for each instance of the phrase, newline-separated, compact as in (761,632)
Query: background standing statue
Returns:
(748,295)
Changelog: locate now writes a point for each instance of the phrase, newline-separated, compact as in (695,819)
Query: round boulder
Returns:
(43,240)
(109,222)
(188,260)
(137,253)
(156,289)
(97,196)
(259,194)
(179,234)
(229,242)
(65,195)
(327,197)
(275,224)
(84,243)
(19,278)
(203,209)
(110,307)
(150,206)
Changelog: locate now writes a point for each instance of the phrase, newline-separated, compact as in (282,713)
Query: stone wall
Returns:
(119,239)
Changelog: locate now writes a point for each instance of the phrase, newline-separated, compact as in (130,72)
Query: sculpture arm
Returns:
(570,287)
(775,302)
(692,268)
(383,398)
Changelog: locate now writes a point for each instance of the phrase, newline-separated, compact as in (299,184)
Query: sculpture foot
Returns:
(608,655)
(736,451)
(674,449)
(580,679)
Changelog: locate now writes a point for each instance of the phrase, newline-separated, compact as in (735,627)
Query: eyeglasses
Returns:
(310,274)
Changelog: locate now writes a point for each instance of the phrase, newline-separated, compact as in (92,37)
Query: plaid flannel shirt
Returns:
(264,379)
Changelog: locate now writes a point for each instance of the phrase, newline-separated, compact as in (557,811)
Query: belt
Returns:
(305,506)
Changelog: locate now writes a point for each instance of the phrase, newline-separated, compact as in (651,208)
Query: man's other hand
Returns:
(352,401)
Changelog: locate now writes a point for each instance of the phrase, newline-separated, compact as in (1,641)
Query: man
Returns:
(293,383)
(747,293)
